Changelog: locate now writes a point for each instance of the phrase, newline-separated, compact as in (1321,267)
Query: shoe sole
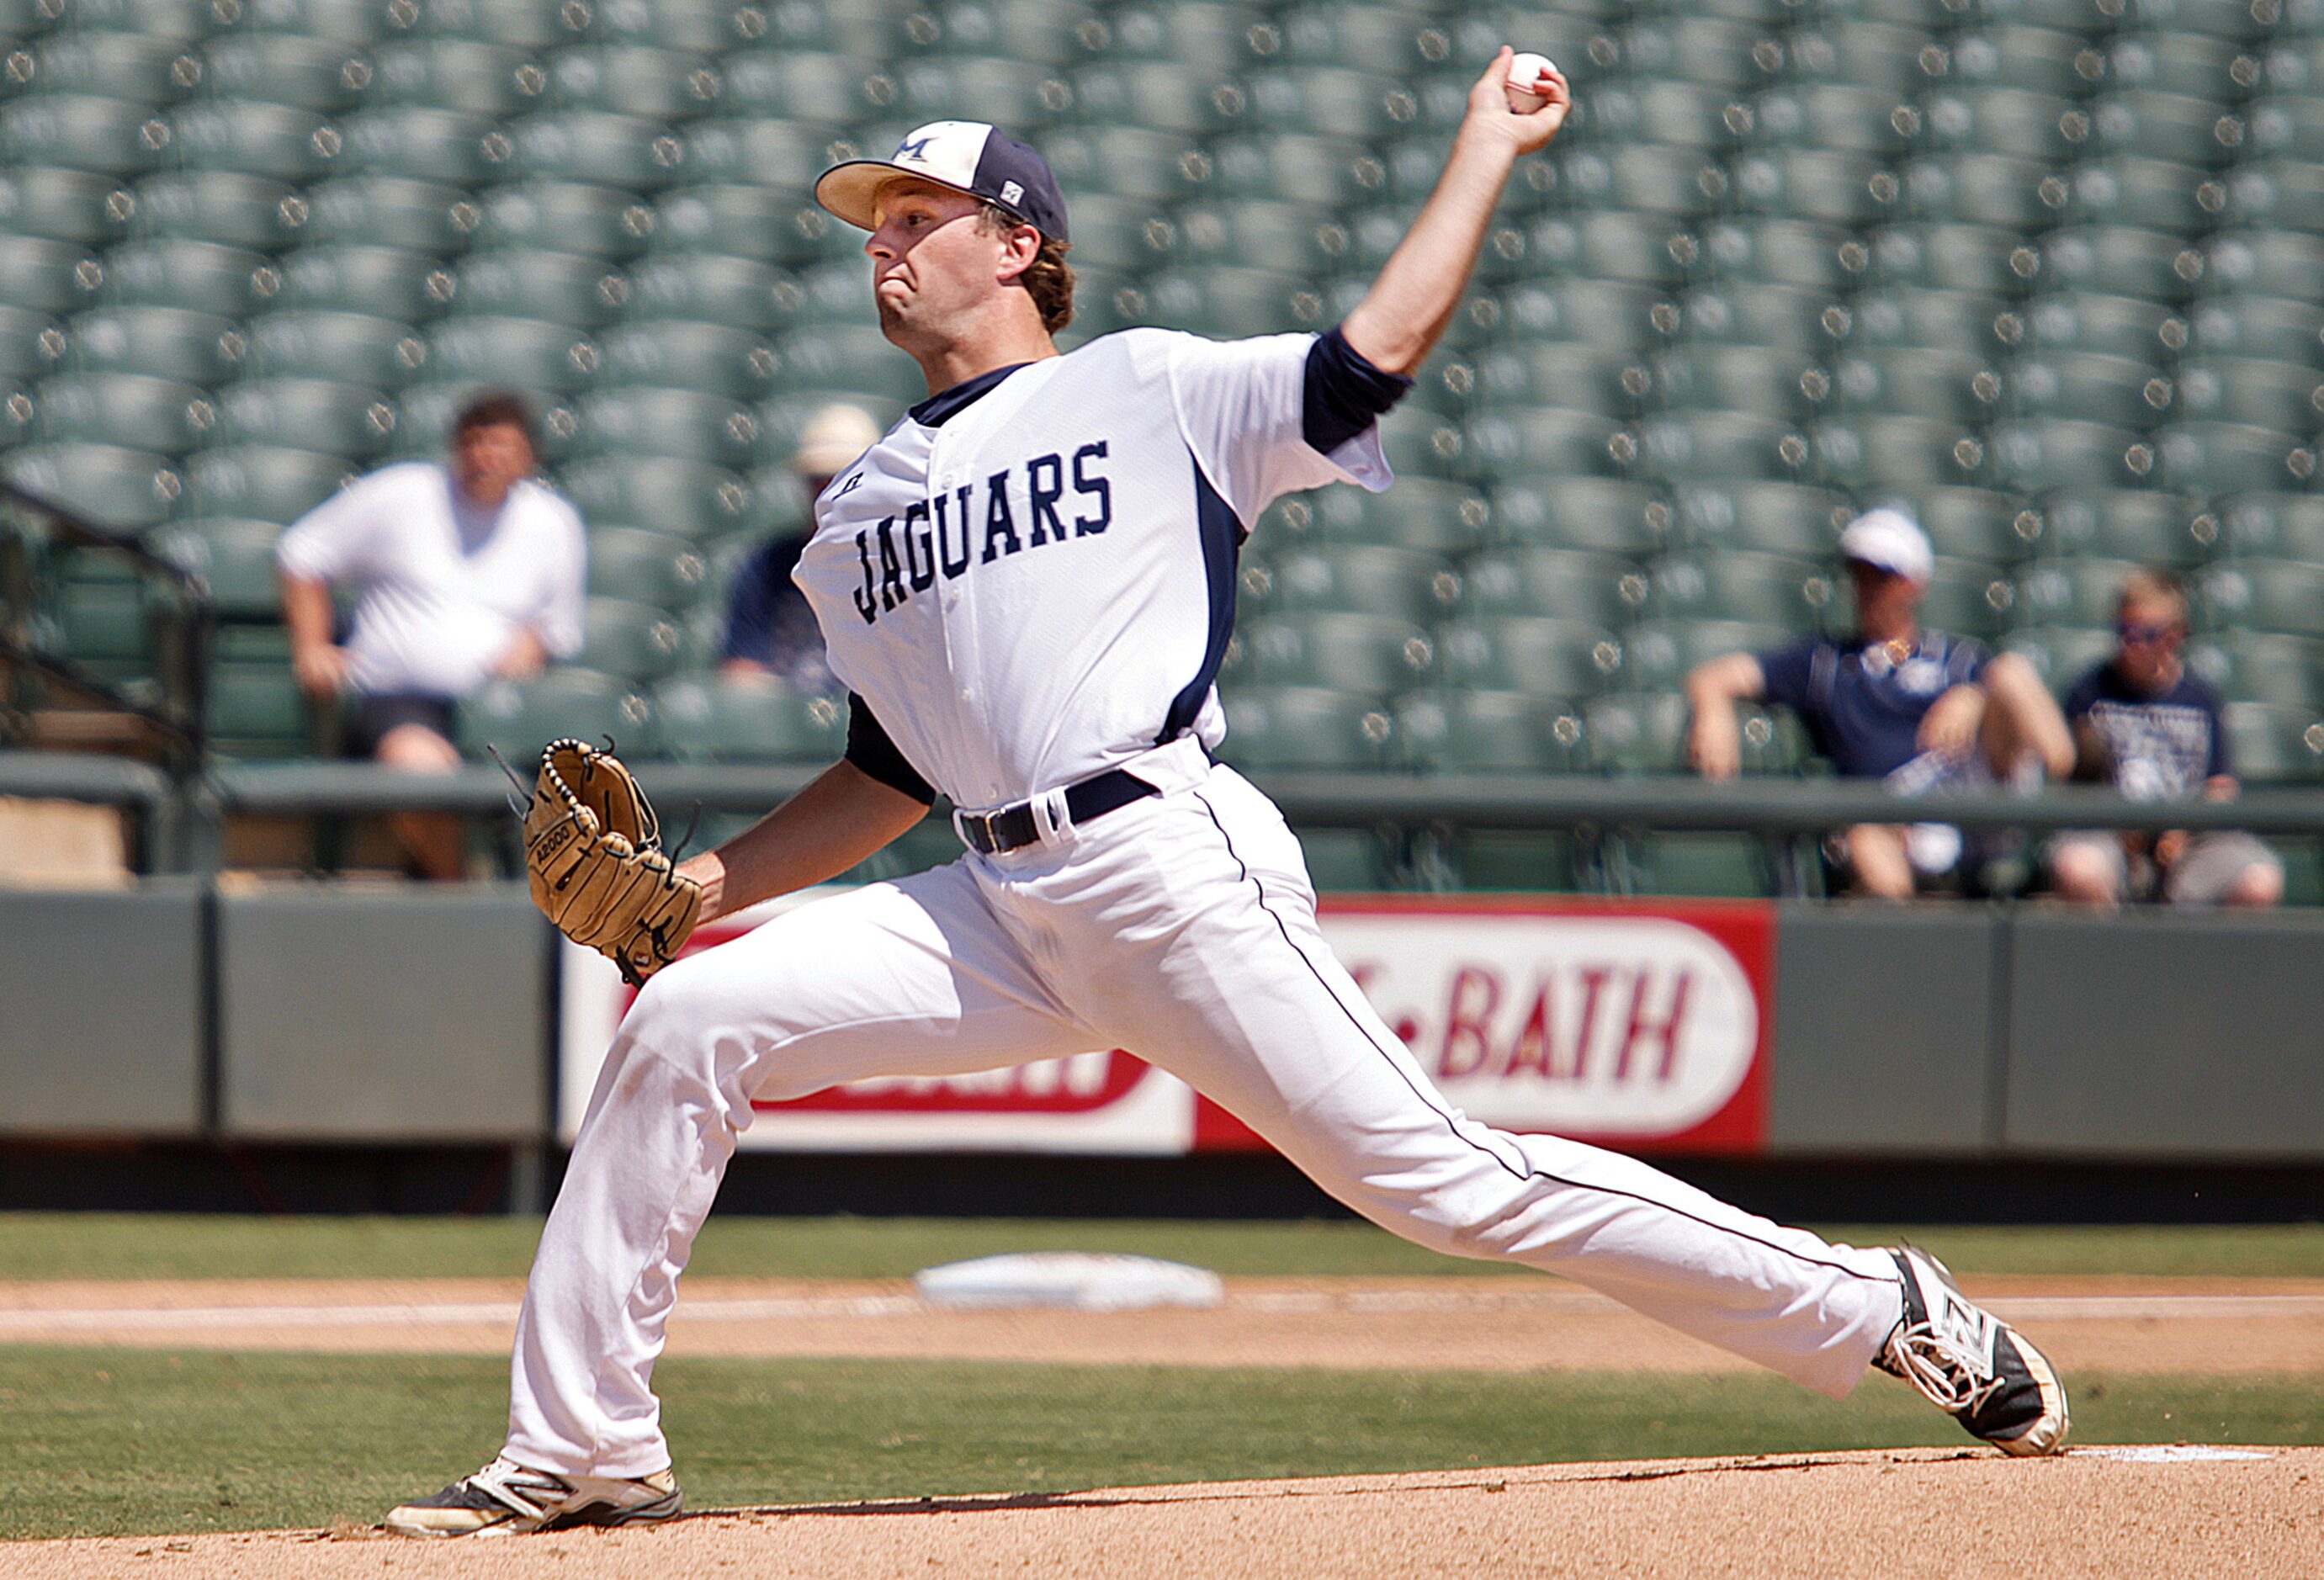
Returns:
(595,1516)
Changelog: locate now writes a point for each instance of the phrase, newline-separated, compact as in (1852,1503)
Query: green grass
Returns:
(96,1442)
(35,1245)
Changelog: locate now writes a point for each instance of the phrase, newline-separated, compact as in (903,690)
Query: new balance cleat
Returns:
(508,1499)
(1971,1364)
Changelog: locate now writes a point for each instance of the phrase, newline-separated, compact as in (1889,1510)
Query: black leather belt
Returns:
(1012,828)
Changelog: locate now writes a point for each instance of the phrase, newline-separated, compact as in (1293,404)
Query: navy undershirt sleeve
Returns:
(870,749)
(750,610)
(1345,393)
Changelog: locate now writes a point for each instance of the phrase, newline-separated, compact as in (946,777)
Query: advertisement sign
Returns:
(1644,1025)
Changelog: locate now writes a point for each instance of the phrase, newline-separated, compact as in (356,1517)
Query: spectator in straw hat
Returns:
(770,628)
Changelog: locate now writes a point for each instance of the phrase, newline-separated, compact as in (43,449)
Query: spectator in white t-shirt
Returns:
(463,575)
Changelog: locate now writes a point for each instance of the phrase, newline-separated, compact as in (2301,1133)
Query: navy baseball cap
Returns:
(968,156)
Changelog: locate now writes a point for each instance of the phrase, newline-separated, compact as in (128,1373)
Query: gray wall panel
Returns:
(371,1014)
(1882,1026)
(2159,1034)
(100,1011)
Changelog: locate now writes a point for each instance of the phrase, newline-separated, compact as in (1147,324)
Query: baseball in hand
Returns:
(1524,86)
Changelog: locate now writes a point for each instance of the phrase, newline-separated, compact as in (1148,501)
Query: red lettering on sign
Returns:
(1593,983)
(1468,1023)
(1536,1047)
(1641,1029)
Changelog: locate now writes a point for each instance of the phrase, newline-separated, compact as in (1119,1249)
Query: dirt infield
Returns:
(2117,1324)
(2113,1513)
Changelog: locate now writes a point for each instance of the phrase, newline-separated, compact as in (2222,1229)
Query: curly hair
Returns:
(1048,279)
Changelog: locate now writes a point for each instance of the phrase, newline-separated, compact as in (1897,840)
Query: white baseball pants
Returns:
(1182,928)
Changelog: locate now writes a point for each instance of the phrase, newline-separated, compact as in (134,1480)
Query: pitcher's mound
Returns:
(2105,1513)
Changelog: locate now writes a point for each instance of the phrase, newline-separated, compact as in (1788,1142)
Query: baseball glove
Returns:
(592,848)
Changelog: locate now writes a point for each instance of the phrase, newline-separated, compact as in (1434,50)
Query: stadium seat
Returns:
(1228,302)
(1292,237)
(1357,579)
(1373,654)
(1024,94)
(169,343)
(709,357)
(1545,862)
(1801,321)
(48,277)
(564,287)
(460,74)
(203,276)
(684,497)
(2287,526)
(1658,655)
(217,206)
(385,281)
(256,710)
(634,79)
(1826,259)
(132,409)
(822,90)
(2257,326)
(2175,62)
(2120,260)
(1934,255)
(1652,111)
(357,21)
(1569,585)
(2282,192)
(625,637)
(90,58)
(124,489)
(1714,866)
(1310,727)
(1951,321)
(2262,263)
(236,560)
(279,140)
(2150,527)
(2067,453)
(390,211)
(2060,654)
(1710,51)
(1956,387)
(313,73)
(1186,99)
(660,568)
(565,216)
(1969,523)
(1686,446)
(1541,441)
(2016,122)
(1787,386)
(2258,667)
(1582,512)
(1645,178)
(2111,326)
(736,220)
(731,151)
(63,205)
(2212,458)
(522,352)
(2091,386)
(628,152)
(419,142)
(84,132)
(1967,598)
(1143,162)
(1770,518)
(1873,51)
(675,423)
(525,24)
(2166,126)
(309,414)
(378,352)
(25,338)
(1993,189)
(1538,655)
(849,359)
(710,288)
(1426,513)
(2151,193)
(1842,117)
(2037,58)
(1633,732)
(2072,591)
(1488,732)
(519,720)
(1556,373)
(1871,454)
(261,483)
(2270,745)
(710,718)
(1763,589)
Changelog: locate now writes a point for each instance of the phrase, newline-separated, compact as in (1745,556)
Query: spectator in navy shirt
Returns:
(1914,708)
(2156,733)
(770,628)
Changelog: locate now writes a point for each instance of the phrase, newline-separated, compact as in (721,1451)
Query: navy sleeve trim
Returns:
(870,749)
(1345,393)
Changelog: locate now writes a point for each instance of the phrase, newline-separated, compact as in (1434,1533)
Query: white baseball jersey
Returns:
(1031,578)
(441,600)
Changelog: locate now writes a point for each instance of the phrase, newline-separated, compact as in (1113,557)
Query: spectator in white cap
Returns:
(1915,708)
(770,628)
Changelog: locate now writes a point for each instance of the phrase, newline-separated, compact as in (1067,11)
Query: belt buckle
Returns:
(974,829)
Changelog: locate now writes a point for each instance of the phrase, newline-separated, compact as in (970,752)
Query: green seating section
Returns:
(2042,271)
